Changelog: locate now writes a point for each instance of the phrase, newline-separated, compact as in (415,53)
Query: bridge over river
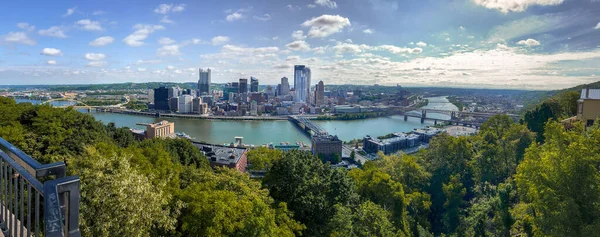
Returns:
(473,119)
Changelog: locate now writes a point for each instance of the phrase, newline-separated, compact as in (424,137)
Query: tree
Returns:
(262,158)
(112,192)
(229,203)
(368,219)
(455,193)
(568,102)
(559,180)
(536,118)
(378,187)
(310,189)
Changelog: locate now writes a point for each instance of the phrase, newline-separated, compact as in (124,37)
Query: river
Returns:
(263,132)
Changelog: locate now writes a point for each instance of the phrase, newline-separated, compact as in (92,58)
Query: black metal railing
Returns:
(36,199)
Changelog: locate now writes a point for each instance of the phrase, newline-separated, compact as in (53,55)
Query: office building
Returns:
(253,108)
(185,104)
(284,86)
(204,81)
(208,99)
(326,146)
(302,83)
(174,92)
(161,129)
(243,86)
(253,84)
(320,94)
(161,98)
(269,91)
(196,103)
(588,106)
(151,96)
(258,97)
(230,88)
(174,104)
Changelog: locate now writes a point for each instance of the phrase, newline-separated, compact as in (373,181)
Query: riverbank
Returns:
(193,116)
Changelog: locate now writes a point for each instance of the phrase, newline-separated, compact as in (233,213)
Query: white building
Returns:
(302,83)
(185,104)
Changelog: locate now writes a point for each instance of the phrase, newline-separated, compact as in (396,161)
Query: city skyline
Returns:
(526,44)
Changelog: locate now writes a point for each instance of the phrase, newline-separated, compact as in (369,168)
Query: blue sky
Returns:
(521,44)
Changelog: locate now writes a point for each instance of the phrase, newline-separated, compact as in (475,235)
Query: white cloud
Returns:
(141,69)
(471,37)
(104,40)
(311,5)
(95,56)
(597,26)
(54,31)
(234,16)
(447,39)
(219,40)
(19,38)
(326,3)
(89,25)
(532,25)
(400,50)
(168,50)
(293,8)
(70,11)
(325,25)
(166,20)
(237,50)
(51,62)
(51,52)
(265,17)
(166,8)
(25,26)
(96,64)
(343,48)
(98,12)
(170,67)
(166,40)
(506,6)
(529,42)
(421,44)
(141,32)
(299,45)
(368,31)
(298,35)
(141,62)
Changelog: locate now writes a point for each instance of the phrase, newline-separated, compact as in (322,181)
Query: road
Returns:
(348,150)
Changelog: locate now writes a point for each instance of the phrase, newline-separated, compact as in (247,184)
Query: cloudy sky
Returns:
(522,44)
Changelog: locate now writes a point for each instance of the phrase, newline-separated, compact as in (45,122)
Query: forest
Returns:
(534,177)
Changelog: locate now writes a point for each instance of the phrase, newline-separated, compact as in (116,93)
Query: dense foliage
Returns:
(534,178)
(352,116)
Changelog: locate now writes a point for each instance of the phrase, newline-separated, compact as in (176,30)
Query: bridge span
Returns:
(308,126)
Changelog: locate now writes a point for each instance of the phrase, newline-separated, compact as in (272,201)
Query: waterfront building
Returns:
(588,106)
(151,96)
(270,91)
(302,83)
(196,102)
(320,93)
(243,86)
(284,87)
(204,81)
(258,97)
(161,98)
(253,108)
(185,104)
(174,92)
(174,104)
(208,99)
(427,133)
(253,84)
(326,146)
(344,109)
(222,156)
(163,129)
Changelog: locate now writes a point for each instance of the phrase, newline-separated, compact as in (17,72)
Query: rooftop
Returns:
(593,94)
(221,154)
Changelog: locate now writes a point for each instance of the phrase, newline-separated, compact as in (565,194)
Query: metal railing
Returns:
(36,199)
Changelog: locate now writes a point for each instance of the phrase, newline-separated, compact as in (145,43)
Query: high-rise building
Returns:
(285,86)
(204,81)
(161,98)
(253,84)
(230,88)
(174,92)
(302,83)
(185,104)
(243,86)
(174,104)
(320,93)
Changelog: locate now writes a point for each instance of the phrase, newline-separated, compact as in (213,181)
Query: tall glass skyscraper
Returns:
(302,83)
(204,82)
(253,84)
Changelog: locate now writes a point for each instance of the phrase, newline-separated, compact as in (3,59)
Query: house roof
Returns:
(593,94)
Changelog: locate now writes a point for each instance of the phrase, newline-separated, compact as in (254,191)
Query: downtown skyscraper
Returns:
(253,84)
(302,83)
(204,82)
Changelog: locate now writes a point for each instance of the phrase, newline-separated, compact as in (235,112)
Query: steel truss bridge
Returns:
(308,126)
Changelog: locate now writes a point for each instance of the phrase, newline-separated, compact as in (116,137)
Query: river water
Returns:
(263,132)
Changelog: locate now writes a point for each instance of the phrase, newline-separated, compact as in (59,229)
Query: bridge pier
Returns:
(405,117)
